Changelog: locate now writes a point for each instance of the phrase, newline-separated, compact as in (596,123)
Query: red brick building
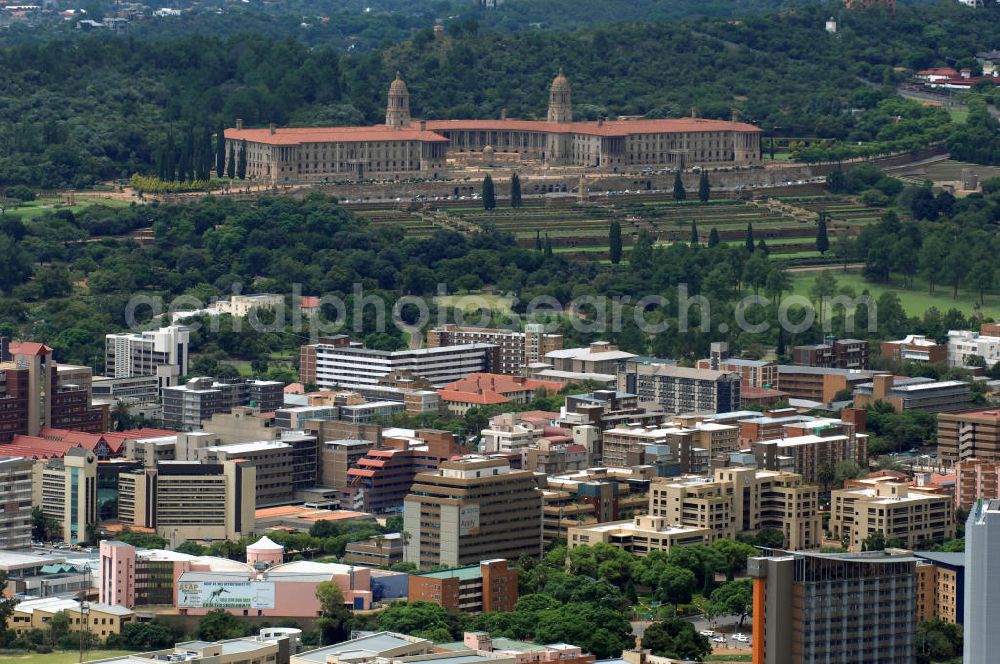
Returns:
(488,586)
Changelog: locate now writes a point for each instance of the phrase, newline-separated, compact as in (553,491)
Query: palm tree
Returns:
(121,419)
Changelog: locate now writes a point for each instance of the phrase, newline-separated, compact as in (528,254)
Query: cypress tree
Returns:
(704,188)
(822,239)
(515,191)
(231,164)
(205,155)
(189,155)
(548,246)
(220,152)
(489,193)
(241,161)
(780,350)
(762,247)
(694,233)
(615,242)
(538,239)
(749,238)
(170,159)
(713,237)
(679,193)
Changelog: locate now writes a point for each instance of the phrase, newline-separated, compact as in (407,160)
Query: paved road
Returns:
(821,268)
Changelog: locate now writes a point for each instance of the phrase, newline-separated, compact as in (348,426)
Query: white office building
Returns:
(982,584)
(162,353)
(964,344)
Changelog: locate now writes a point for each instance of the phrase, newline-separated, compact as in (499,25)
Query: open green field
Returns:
(30,210)
(474,301)
(68,657)
(959,114)
(915,301)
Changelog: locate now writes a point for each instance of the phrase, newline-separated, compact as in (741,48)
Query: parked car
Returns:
(742,638)
(707,632)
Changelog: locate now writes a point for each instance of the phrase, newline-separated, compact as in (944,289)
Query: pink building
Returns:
(975,479)
(195,585)
(265,553)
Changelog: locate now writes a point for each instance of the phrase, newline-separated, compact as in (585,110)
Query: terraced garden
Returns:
(787,224)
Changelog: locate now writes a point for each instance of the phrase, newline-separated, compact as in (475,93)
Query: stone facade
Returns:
(404,148)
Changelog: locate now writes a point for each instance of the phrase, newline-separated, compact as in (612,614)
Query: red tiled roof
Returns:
(309,301)
(295,388)
(939,71)
(29,348)
(483,399)
(607,128)
(34,447)
(299,135)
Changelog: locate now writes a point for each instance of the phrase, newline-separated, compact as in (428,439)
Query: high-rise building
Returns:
(974,434)
(15,510)
(897,511)
(185,406)
(834,608)
(982,584)
(517,349)
(283,466)
(820,384)
(741,500)
(35,394)
(471,509)
(66,491)
(162,353)
(976,479)
(678,390)
(190,501)
(963,345)
(812,447)
(336,365)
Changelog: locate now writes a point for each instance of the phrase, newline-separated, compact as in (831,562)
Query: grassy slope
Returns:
(915,301)
(68,657)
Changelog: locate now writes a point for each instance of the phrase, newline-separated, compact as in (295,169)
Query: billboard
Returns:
(225,595)
(468,520)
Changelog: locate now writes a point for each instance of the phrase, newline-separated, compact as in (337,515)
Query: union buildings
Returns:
(407,148)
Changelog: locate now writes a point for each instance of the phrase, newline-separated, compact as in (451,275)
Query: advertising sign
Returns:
(225,595)
(468,520)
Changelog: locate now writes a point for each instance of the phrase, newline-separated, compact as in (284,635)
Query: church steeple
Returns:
(397,110)
(560,99)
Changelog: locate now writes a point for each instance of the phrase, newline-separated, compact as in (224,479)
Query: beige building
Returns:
(741,500)
(872,505)
(66,491)
(517,349)
(692,447)
(639,535)
(190,501)
(101,620)
(15,508)
(403,147)
(963,436)
(470,509)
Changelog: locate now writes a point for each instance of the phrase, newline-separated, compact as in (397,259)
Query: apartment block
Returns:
(810,448)
(741,500)
(591,496)
(600,357)
(819,384)
(868,506)
(101,620)
(834,608)
(639,535)
(380,480)
(753,373)
(488,586)
(676,390)
(940,586)
(981,641)
(963,345)
(915,348)
(186,406)
(378,551)
(606,409)
(691,448)
(554,455)
(514,432)
(66,491)
(471,509)
(190,501)
(976,479)
(834,354)
(517,349)
(335,365)
(162,353)
(15,508)
(973,434)
(905,393)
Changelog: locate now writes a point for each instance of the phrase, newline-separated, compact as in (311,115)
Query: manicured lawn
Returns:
(958,114)
(915,301)
(68,657)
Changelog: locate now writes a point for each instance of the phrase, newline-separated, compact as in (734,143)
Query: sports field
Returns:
(67,657)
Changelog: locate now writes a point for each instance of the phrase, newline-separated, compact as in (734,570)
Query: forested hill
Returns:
(73,112)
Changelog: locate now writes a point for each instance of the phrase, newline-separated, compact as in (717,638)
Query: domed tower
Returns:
(560,99)
(397,111)
(265,553)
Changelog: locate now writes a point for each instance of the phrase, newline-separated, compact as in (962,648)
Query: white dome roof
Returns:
(265,544)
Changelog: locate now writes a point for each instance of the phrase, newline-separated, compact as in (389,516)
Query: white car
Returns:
(707,632)
(719,639)
(742,638)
